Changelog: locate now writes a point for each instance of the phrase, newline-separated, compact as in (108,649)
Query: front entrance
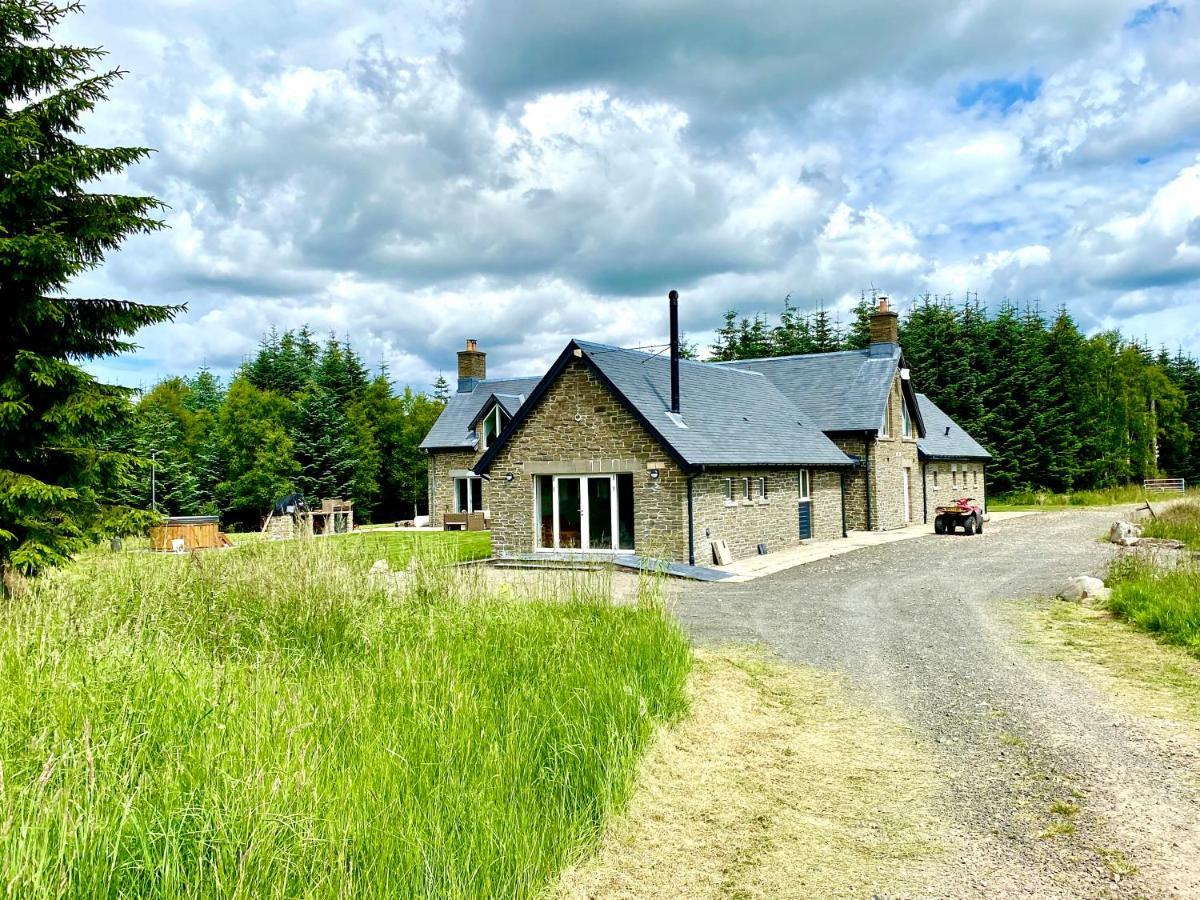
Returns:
(907,488)
(586,513)
(805,506)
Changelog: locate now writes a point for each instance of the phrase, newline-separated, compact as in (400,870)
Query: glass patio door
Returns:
(585,512)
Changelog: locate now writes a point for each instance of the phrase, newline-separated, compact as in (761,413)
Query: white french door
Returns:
(587,513)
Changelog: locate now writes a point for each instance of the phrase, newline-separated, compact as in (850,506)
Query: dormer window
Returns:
(908,422)
(886,430)
(492,424)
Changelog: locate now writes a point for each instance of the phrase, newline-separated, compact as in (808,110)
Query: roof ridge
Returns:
(730,362)
(707,364)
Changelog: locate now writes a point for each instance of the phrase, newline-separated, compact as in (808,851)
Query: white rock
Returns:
(1124,533)
(1082,587)
(379,567)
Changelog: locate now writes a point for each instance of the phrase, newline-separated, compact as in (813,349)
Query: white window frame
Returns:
(584,523)
(729,490)
(746,490)
(805,485)
(500,420)
(470,494)
(762,488)
(886,430)
(907,422)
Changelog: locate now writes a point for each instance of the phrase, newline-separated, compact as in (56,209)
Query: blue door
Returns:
(805,519)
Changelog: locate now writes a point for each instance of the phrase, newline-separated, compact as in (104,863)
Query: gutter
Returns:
(699,470)
(924,495)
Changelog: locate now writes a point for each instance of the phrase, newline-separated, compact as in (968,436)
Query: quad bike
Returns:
(964,511)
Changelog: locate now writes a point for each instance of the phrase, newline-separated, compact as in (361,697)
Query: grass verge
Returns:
(1035,499)
(1145,675)
(1164,600)
(777,784)
(1180,522)
(271,723)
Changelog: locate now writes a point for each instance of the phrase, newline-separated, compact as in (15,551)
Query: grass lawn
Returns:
(1163,601)
(1033,500)
(269,722)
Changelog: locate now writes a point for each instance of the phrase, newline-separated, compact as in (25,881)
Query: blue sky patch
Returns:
(998,94)
(1148,14)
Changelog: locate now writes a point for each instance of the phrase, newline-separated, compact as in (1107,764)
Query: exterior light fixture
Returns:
(509,477)
(654,474)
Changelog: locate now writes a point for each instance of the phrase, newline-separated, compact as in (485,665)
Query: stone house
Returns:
(474,415)
(619,451)
(863,400)
(952,462)
(597,460)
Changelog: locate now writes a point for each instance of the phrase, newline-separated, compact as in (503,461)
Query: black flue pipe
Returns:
(674,298)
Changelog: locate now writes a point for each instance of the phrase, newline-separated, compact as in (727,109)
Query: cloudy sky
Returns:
(410,173)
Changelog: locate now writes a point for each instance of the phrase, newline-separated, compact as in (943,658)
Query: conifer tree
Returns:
(825,336)
(54,417)
(441,389)
(324,447)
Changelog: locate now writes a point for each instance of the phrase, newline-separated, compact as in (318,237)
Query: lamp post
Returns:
(153,481)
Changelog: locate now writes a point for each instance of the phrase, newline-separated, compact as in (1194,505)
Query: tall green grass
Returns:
(270,722)
(1038,499)
(1180,522)
(1161,599)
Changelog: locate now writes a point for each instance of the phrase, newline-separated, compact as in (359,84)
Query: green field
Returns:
(271,722)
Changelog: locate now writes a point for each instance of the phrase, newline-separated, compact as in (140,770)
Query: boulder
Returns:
(1083,587)
(1124,533)
(379,567)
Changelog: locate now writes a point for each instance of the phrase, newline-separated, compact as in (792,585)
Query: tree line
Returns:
(300,415)
(1057,409)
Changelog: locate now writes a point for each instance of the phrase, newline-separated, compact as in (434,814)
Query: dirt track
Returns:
(923,630)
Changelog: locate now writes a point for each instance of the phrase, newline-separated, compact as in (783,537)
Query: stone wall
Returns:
(442,466)
(948,480)
(891,456)
(856,480)
(579,427)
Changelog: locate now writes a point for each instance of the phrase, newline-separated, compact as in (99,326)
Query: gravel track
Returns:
(921,629)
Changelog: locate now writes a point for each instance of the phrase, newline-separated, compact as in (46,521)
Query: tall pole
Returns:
(153,481)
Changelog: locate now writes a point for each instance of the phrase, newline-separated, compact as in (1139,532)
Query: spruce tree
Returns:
(324,447)
(441,389)
(54,469)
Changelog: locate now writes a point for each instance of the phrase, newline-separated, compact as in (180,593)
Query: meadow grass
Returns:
(1180,522)
(271,722)
(1113,496)
(1164,600)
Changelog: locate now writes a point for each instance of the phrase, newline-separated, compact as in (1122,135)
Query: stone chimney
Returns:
(885,328)
(472,366)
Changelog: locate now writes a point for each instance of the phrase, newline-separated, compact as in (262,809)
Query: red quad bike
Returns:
(964,511)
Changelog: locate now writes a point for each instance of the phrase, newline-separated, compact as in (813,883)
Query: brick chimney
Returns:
(885,328)
(472,367)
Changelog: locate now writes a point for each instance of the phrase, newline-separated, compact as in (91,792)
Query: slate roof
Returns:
(453,429)
(842,391)
(729,416)
(945,438)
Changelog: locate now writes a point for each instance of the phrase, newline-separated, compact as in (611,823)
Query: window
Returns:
(584,512)
(954,474)
(762,489)
(493,423)
(805,492)
(728,490)
(907,423)
(468,495)
(935,476)
(975,474)
(745,488)
(886,430)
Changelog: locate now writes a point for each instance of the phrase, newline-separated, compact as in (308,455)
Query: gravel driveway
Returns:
(920,628)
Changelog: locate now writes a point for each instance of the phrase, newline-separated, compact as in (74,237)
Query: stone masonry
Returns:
(948,480)
(743,523)
(887,459)
(579,427)
(444,465)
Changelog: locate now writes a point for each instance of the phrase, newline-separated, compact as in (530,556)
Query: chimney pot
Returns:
(472,367)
